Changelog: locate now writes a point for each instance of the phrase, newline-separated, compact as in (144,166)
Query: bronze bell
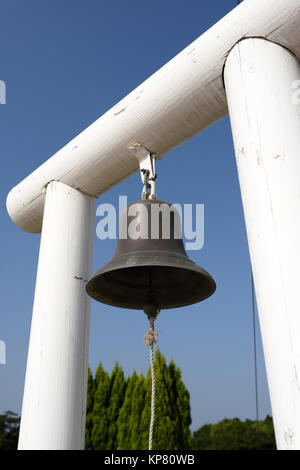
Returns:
(150,270)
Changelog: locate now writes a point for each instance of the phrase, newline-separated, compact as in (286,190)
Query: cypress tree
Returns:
(181,409)
(164,437)
(121,409)
(172,411)
(146,413)
(99,436)
(89,411)
(123,424)
(138,404)
(117,393)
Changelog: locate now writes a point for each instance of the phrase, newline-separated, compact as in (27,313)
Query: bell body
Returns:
(150,268)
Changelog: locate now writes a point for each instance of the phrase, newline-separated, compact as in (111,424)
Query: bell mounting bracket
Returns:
(147,169)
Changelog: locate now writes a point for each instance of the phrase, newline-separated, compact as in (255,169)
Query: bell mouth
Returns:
(125,281)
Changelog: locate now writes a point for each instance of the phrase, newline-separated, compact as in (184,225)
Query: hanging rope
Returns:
(150,339)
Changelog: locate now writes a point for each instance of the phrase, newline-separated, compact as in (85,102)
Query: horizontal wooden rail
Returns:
(180,100)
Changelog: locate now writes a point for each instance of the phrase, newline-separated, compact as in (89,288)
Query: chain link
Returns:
(149,183)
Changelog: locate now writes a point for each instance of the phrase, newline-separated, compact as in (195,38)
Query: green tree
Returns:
(123,423)
(89,411)
(121,410)
(100,419)
(9,430)
(117,393)
(236,435)
(172,409)
(180,409)
(138,405)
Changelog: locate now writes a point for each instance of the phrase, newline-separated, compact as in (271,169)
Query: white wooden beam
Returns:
(177,102)
(265,121)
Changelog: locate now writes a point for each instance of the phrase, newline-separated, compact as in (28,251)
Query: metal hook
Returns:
(147,169)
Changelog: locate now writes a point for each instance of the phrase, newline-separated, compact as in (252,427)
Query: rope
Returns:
(150,339)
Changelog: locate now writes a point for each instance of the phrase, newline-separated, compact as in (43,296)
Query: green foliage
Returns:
(125,415)
(181,410)
(172,409)
(89,411)
(236,435)
(129,420)
(138,404)
(9,431)
(121,411)
(100,418)
(116,399)
(118,417)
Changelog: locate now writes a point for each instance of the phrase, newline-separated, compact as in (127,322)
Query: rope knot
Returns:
(150,337)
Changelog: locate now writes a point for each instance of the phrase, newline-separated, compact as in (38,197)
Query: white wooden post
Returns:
(265,119)
(53,414)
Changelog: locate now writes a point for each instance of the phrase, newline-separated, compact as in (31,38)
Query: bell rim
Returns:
(151,259)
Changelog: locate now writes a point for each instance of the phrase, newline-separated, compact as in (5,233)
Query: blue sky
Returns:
(66,62)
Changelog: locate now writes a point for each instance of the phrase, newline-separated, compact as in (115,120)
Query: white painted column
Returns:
(265,120)
(54,403)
